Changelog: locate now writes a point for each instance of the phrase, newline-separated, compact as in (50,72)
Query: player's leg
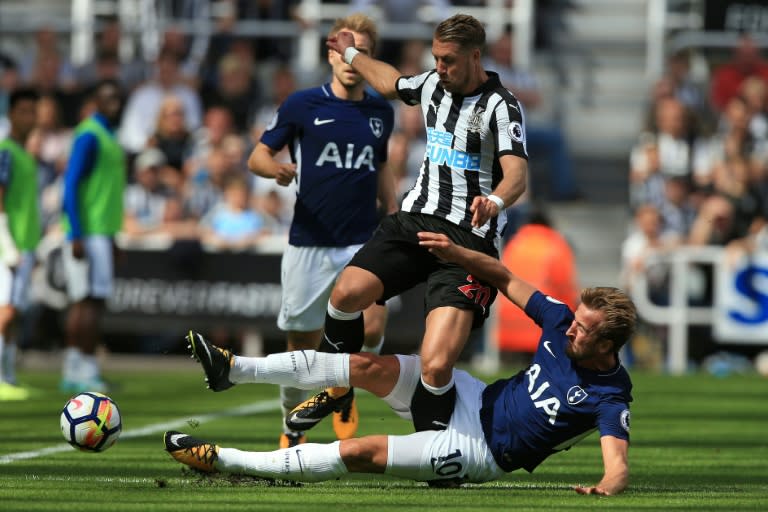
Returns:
(9,287)
(291,396)
(456,303)
(90,283)
(310,462)
(447,329)
(346,420)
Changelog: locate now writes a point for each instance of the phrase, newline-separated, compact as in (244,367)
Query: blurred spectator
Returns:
(545,140)
(272,48)
(144,103)
(145,199)
(541,256)
(714,222)
(45,77)
(235,89)
(217,124)
(646,237)
(678,208)
(50,141)
(43,53)
(173,139)
(734,140)
(732,179)
(283,84)
(754,91)
(678,150)
(277,217)
(204,189)
(677,83)
(233,224)
(9,80)
(728,77)
(646,181)
(107,63)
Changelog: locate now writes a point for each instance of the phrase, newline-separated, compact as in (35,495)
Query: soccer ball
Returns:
(91,422)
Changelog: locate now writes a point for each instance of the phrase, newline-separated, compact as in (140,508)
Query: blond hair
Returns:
(359,23)
(619,313)
(462,29)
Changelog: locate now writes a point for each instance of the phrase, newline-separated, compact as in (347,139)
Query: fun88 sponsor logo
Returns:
(439,152)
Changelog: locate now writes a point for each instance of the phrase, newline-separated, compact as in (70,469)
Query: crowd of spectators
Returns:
(192,114)
(698,174)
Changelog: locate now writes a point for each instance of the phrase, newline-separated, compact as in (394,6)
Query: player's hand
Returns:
(340,42)
(438,244)
(78,249)
(483,209)
(591,490)
(286,173)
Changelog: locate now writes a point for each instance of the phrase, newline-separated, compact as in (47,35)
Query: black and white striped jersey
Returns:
(466,135)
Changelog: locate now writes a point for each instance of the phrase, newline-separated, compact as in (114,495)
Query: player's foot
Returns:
(216,361)
(9,392)
(309,413)
(193,452)
(345,421)
(291,439)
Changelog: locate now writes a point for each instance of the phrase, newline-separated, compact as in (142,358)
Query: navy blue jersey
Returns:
(338,147)
(554,403)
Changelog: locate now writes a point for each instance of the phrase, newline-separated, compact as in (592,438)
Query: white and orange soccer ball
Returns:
(91,422)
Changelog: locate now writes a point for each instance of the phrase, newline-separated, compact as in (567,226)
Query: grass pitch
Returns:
(698,443)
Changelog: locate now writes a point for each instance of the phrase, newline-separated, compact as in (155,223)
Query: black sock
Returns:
(343,335)
(430,411)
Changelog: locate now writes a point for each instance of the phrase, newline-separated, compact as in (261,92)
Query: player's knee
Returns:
(436,372)
(374,373)
(364,455)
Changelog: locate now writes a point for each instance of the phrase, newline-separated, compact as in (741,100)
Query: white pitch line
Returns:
(244,410)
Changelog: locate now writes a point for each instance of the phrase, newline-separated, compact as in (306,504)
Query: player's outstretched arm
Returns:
(480,265)
(262,163)
(616,476)
(380,75)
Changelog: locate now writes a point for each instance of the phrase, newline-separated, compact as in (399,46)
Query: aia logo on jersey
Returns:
(477,292)
(377,126)
(576,395)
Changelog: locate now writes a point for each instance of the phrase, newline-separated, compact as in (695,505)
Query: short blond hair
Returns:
(462,29)
(359,23)
(619,313)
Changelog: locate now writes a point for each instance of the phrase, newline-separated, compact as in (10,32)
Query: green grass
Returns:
(698,443)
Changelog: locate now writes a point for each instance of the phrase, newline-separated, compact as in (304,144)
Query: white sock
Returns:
(8,372)
(341,315)
(290,397)
(71,364)
(437,390)
(375,349)
(304,369)
(309,462)
(89,369)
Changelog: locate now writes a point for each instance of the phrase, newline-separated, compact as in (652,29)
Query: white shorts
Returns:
(307,275)
(93,276)
(14,284)
(459,451)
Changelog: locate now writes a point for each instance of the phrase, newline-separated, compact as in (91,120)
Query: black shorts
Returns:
(394,255)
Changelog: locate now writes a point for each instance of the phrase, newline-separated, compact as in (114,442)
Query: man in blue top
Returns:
(574,386)
(337,136)
(94,184)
